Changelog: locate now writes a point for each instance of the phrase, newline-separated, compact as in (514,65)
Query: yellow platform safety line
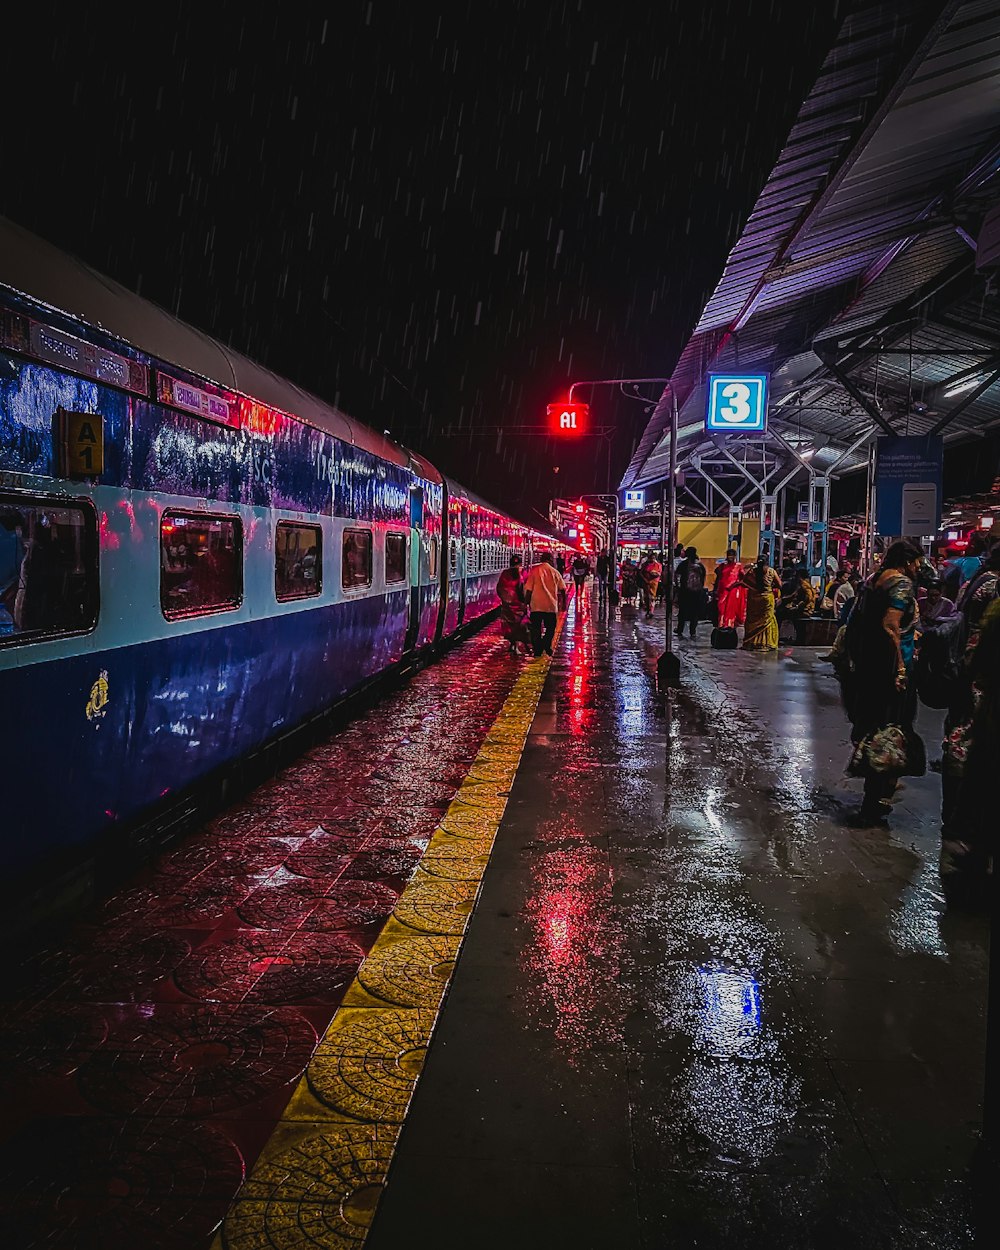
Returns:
(319,1177)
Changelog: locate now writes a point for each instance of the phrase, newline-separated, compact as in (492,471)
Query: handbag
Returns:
(891,750)
(955,751)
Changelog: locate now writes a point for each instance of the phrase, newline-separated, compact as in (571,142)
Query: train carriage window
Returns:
(395,558)
(201,564)
(356,569)
(49,582)
(432,551)
(453,558)
(298,561)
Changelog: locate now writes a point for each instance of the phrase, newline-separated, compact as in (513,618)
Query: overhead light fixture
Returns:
(960,387)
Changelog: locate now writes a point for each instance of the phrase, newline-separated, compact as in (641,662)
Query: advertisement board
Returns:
(908,474)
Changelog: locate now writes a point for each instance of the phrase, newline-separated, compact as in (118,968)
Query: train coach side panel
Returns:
(114,732)
(481,595)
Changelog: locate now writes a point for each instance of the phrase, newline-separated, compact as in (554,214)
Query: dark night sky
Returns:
(437,221)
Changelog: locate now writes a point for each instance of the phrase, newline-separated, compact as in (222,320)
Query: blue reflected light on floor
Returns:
(732,1006)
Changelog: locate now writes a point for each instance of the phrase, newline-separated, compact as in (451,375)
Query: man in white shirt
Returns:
(545,590)
(841,592)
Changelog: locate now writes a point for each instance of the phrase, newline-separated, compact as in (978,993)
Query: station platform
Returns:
(524,958)
(694,1007)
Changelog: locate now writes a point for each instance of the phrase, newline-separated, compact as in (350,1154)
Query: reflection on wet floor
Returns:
(695,1007)
(146,1057)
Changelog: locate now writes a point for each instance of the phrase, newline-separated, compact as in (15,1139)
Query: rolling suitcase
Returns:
(724,639)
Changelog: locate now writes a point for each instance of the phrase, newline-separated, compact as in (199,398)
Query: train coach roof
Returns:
(34,268)
(459,492)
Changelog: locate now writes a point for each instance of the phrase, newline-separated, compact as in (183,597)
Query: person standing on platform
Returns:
(969,840)
(730,594)
(839,590)
(649,580)
(763,587)
(690,578)
(602,574)
(580,568)
(630,580)
(661,592)
(513,608)
(545,591)
(879,696)
(976,599)
(678,559)
(960,569)
(800,604)
(937,614)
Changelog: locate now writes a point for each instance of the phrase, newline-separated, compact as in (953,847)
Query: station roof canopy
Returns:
(854,283)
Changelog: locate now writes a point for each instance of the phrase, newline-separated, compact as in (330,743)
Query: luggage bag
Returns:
(725,638)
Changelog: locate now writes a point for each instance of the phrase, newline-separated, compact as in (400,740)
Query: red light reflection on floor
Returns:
(573,960)
(193,997)
(580,643)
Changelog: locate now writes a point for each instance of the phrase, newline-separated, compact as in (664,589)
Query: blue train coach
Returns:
(196,556)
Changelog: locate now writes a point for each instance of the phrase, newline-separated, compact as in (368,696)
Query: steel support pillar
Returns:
(734,535)
(868,547)
(780,523)
(819,528)
(768,525)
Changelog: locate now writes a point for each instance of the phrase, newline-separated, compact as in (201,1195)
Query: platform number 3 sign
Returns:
(737,404)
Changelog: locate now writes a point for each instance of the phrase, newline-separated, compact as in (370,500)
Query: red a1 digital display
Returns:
(568,419)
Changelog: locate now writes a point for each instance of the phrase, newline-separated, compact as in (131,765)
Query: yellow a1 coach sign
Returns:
(79,443)
(737,403)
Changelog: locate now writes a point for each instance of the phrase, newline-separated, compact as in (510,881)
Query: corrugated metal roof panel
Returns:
(848,226)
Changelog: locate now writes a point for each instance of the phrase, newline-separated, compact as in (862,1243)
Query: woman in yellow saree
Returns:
(763,588)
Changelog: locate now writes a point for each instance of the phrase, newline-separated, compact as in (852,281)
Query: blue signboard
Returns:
(635,500)
(737,403)
(908,474)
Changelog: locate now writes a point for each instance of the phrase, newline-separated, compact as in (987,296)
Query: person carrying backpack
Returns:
(690,581)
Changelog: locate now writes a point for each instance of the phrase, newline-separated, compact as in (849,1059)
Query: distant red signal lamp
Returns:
(568,419)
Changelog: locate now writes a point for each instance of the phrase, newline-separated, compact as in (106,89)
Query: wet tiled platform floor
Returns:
(693,1006)
(146,1057)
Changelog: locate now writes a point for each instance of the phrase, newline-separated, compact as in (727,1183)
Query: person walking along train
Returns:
(601,576)
(545,591)
(513,607)
(580,568)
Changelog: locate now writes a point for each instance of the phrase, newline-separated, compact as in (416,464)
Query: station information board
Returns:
(737,403)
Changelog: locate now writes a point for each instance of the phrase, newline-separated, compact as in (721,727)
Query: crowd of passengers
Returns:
(917,629)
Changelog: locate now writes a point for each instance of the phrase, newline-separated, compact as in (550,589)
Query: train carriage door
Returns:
(416,552)
(463,564)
